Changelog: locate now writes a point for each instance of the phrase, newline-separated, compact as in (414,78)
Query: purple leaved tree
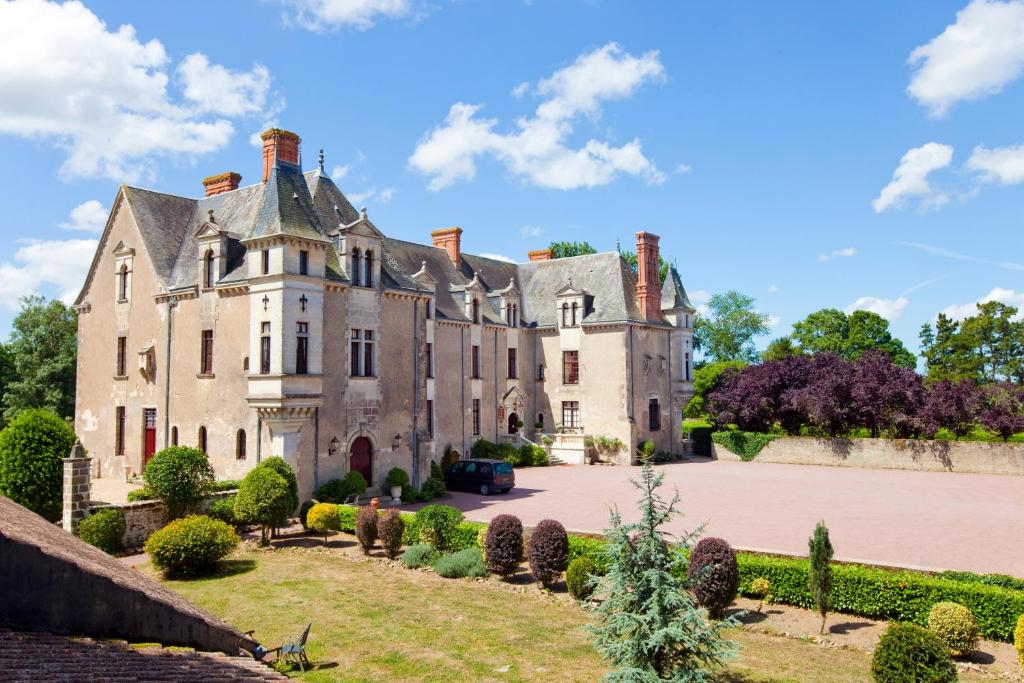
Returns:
(950,405)
(1002,409)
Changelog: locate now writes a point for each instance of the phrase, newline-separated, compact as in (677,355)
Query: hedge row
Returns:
(466,536)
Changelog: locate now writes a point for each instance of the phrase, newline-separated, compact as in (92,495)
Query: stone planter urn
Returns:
(396,492)
(374,503)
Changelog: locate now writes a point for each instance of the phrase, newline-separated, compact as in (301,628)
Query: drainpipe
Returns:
(259,437)
(316,448)
(497,437)
(629,397)
(415,394)
(671,402)
(462,382)
(171,303)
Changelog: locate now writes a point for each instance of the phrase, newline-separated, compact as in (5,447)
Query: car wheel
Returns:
(484,489)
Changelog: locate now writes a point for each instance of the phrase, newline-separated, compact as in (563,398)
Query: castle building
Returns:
(275,319)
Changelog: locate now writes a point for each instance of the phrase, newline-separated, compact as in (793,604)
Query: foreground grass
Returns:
(375,622)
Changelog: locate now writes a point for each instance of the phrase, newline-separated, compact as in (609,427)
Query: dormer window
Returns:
(565,314)
(474,308)
(368,262)
(512,315)
(575,313)
(209,274)
(122,283)
(356,259)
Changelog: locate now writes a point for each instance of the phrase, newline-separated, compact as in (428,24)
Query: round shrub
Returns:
(191,546)
(908,653)
(954,624)
(504,545)
(265,499)
(337,490)
(760,587)
(285,470)
(141,494)
(323,518)
(468,562)
(713,574)
(179,476)
(104,529)
(304,512)
(1018,639)
(548,551)
(397,477)
(578,577)
(366,528)
(223,509)
(540,457)
(31,449)
(419,555)
(437,526)
(391,529)
(433,488)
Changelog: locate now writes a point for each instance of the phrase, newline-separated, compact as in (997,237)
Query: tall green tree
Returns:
(649,626)
(820,575)
(43,353)
(947,354)
(727,332)
(985,347)
(630,258)
(706,378)
(848,336)
(780,348)
(567,249)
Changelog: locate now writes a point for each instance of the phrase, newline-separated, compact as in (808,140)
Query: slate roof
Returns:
(673,295)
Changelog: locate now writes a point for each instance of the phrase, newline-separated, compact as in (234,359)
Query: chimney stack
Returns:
(648,284)
(225,182)
(540,254)
(449,239)
(279,145)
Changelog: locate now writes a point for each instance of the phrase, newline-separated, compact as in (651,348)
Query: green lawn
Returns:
(372,621)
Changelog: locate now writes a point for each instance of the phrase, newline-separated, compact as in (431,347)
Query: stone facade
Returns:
(275,319)
(76,487)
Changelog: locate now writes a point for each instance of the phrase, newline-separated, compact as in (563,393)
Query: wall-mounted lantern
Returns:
(396,442)
(332,448)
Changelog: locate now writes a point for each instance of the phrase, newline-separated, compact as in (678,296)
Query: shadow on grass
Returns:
(225,569)
(300,541)
(746,616)
(736,677)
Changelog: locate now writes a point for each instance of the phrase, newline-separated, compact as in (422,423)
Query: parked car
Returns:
(485,476)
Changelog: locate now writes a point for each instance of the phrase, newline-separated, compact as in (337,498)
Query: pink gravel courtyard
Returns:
(928,520)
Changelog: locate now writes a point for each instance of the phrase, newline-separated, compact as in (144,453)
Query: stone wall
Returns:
(900,454)
(144,517)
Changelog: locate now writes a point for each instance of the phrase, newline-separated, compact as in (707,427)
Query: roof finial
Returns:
(618,246)
(320,159)
(209,212)
(362,212)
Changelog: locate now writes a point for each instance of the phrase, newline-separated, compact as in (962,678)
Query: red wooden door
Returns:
(149,424)
(361,459)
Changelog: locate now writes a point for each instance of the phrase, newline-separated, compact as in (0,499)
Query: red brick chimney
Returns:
(279,145)
(648,284)
(225,182)
(540,254)
(449,239)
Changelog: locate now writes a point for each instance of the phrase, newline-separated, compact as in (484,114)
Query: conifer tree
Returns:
(649,627)
(820,576)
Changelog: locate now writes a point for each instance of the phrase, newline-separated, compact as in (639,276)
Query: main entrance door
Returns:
(513,423)
(149,435)
(361,459)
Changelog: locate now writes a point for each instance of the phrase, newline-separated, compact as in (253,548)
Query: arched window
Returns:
(355,266)
(368,280)
(174,436)
(575,308)
(202,439)
(540,420)
(508,314)
(515,315)
(565,315)
(122,283)
(240,445)
(475,309)
(208,262)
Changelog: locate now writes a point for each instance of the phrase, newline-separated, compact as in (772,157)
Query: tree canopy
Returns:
(985,347)
(567,249)
(848,336)
(630,258)
(728,330)
(42,354)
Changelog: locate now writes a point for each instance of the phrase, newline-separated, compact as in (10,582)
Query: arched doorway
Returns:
(361,459)
(513,423)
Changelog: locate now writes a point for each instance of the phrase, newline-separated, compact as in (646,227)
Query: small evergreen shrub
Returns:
(347,517)
(548,551)
(484,449)
(908,653)
(593,548)
(819,578)
(466,535)
(145,493)
(760,588)
(646,450)
(391,529)
(104,529)
(1018,639)
(304,512)
(322,518)
(437,525)
(954,624)
(744,444)
(525,456)
(191,546)
(179,476)
(433,488)
(337,490)
(578,578)
(468,562)
(397,477)
(223,509)
(419,555)
(278,464)
(366,528)
(264,498)
(504,544)
(540,457)
(31,449)
(223,485)
(713,575)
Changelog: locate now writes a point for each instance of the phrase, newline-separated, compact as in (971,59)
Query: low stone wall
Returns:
(144,517)
(899,454)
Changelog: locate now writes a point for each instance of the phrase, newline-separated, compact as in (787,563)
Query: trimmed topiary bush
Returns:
(437,525)
(191,546)
(391,530)
(104,529)
(954,624)
(285,470)
(419,555)
(223,509)
(338,490)
(578,578)
(468,562)
(713,575)
(504,543)
(323,518)
(910,654)
(397,477)
(264,498)
(759,588)
(179,477)
(366,528)
(304,512)
(31,449)
(144,493)
(548,551)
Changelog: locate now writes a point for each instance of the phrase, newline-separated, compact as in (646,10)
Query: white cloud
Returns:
(774,321)
(520,90)
(1003,165)
(1006,296)
(682,169)
(498,257)
(340,171)
(846,252)
(329,15)
(538,151)
(890,309)
(89,216)
(957,256)
(972,58)
(700,296)
(383,196)
(911,178)
(59,263)
(772,289)
(103,96)
(531,231)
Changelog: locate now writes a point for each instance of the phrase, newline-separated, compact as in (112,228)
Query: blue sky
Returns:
(809,154)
